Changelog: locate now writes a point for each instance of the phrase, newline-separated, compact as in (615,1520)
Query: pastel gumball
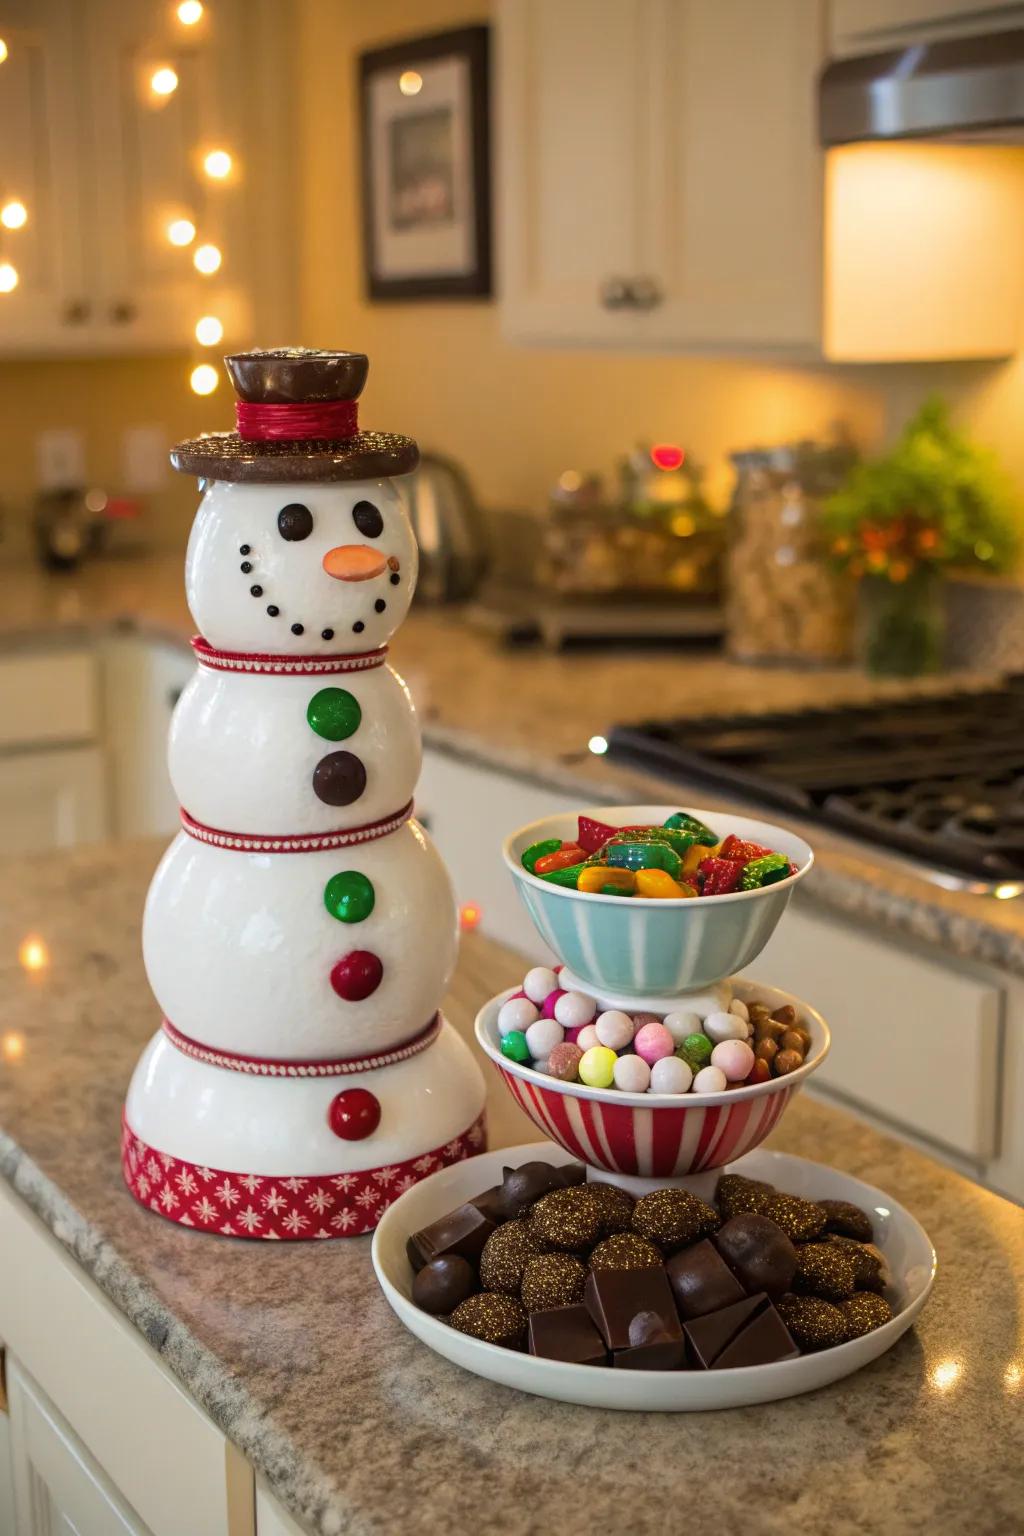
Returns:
(597,1067)
(740,1009)
(614,1029)
(733,1057)
(574,1009)
(682,1024)
(587,1038)
(670,1075)
(710,1080)
(652,1042)
(543,1036)
(573,1034)
(632,1074)
(539,983)
(550,1003)
(724,1026)
(517,1014)
(564,1062)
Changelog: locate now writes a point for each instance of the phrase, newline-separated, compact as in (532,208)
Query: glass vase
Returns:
(902,624)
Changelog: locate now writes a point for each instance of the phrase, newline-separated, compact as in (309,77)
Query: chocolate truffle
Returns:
(490,1204)
(463,1231)
(814,1324)
(799,1219)
(566,1333)
(493,1317)
(505,1255)
(552,1280)
(735,1195)
(823,1269)
(615,1206)
(443,1283)
(566,1218)
(672,1218)
(522,1186)
(701,1281)
(864,1313)
(847,1219)
(870,1271)
(625,1250)
(759,1254)
(572,1173)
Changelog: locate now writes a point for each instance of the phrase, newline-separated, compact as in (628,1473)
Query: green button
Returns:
(334,714)
(349,896)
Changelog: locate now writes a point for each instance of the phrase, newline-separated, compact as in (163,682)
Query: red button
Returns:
(354,1114)
(356,975)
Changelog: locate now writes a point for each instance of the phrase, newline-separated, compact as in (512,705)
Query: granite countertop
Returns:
(359,1428)
(531,714)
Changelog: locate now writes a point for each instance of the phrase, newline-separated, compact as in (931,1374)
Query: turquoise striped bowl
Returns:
(654,948)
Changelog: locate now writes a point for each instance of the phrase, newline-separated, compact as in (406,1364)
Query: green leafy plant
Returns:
(936,500)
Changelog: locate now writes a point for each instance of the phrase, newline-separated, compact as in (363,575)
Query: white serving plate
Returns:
(902,1239)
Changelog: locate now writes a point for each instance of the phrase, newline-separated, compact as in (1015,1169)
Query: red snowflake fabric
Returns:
(279,1209)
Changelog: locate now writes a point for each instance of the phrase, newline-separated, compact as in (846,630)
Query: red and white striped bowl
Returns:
(655,1136)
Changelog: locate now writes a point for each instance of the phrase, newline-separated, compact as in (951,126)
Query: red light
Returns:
(667,456)
(469,916)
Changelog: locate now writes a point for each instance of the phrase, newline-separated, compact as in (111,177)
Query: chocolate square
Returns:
(566,1333)
(702,1281)
(708,1336)
(614,1297)
(463,1231)
(764,1340)
(651,1346)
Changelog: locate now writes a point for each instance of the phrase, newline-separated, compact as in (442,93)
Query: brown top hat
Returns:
(297,419)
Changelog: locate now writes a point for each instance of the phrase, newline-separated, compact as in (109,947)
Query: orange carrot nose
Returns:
(354,562)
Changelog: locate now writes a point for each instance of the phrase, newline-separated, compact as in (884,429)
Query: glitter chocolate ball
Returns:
(814,1324)
(615,1206)
(552,1280)
(737,1196)
(567,1218)
(847,1219)
(864,1313)
(625,1250)
(672,1218)
(799,1219)
(870,1272)
(823,1269)
(490,1316)
(504,1257)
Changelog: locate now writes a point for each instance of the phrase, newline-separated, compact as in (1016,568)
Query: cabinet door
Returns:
(869,26)
(51,799)
(7,1525)
(142,682)
(58,1489)
(575,128)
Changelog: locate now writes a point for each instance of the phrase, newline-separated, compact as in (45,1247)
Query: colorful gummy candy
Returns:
(566,1036)
(682,857)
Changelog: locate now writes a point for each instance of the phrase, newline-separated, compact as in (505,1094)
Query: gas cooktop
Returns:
(939,780)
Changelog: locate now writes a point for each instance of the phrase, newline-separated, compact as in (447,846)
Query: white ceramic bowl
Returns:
(656,1136)
(640,946)
(903,1241)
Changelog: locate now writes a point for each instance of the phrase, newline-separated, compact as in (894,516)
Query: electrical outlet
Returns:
(144,458)
(60,458)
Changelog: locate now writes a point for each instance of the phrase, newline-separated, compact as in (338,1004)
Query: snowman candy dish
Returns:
(300,931)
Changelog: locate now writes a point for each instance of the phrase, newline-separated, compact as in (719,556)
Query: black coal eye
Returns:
(367,519)
(295,521)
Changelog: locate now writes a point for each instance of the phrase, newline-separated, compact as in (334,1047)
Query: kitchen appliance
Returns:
(449,529)
(938,779)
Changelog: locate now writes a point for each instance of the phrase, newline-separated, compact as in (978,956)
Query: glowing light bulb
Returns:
(189,12)
(667,456)
(209,331)
(469,916)
(14,215)
(410,82)
(12,1046)
(163,81)
(204,379)
(181,231)
(8,277)
(33,954)
(207,259)
(3,50)
(218,164)
(598,745)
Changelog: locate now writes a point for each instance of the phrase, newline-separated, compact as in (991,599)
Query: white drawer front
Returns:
(913,1039)
(47,697)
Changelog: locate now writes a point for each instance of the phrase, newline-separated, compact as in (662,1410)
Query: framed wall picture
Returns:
(426,167)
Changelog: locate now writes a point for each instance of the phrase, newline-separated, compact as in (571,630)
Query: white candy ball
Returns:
(574,1009)
(539,982)
(740,1009)
(682,1023)
(709,1080)
(614,1029)
(632,1074)
(517,1013)
(734,1057)
(670,1075)
(724,1026)
(587,1038)
(542,1037)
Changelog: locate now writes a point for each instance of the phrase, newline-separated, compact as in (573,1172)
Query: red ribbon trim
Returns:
(278,1066)
(294,842)
(266,663)
(300,422)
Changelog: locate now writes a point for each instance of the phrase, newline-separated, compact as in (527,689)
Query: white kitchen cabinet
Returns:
(6,1465)
(52,799)
(871,26)
(142,681)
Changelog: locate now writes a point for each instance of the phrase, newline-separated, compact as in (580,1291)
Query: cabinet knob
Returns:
(122,313)
(615,293)
(645,293)
(76,312)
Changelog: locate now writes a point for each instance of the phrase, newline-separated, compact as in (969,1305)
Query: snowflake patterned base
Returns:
(279,1209)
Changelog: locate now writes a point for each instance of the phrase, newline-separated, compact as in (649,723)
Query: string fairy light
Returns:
(204,379)
(209,331)
(14,214)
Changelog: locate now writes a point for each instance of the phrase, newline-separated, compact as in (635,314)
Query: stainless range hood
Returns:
(968,89)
